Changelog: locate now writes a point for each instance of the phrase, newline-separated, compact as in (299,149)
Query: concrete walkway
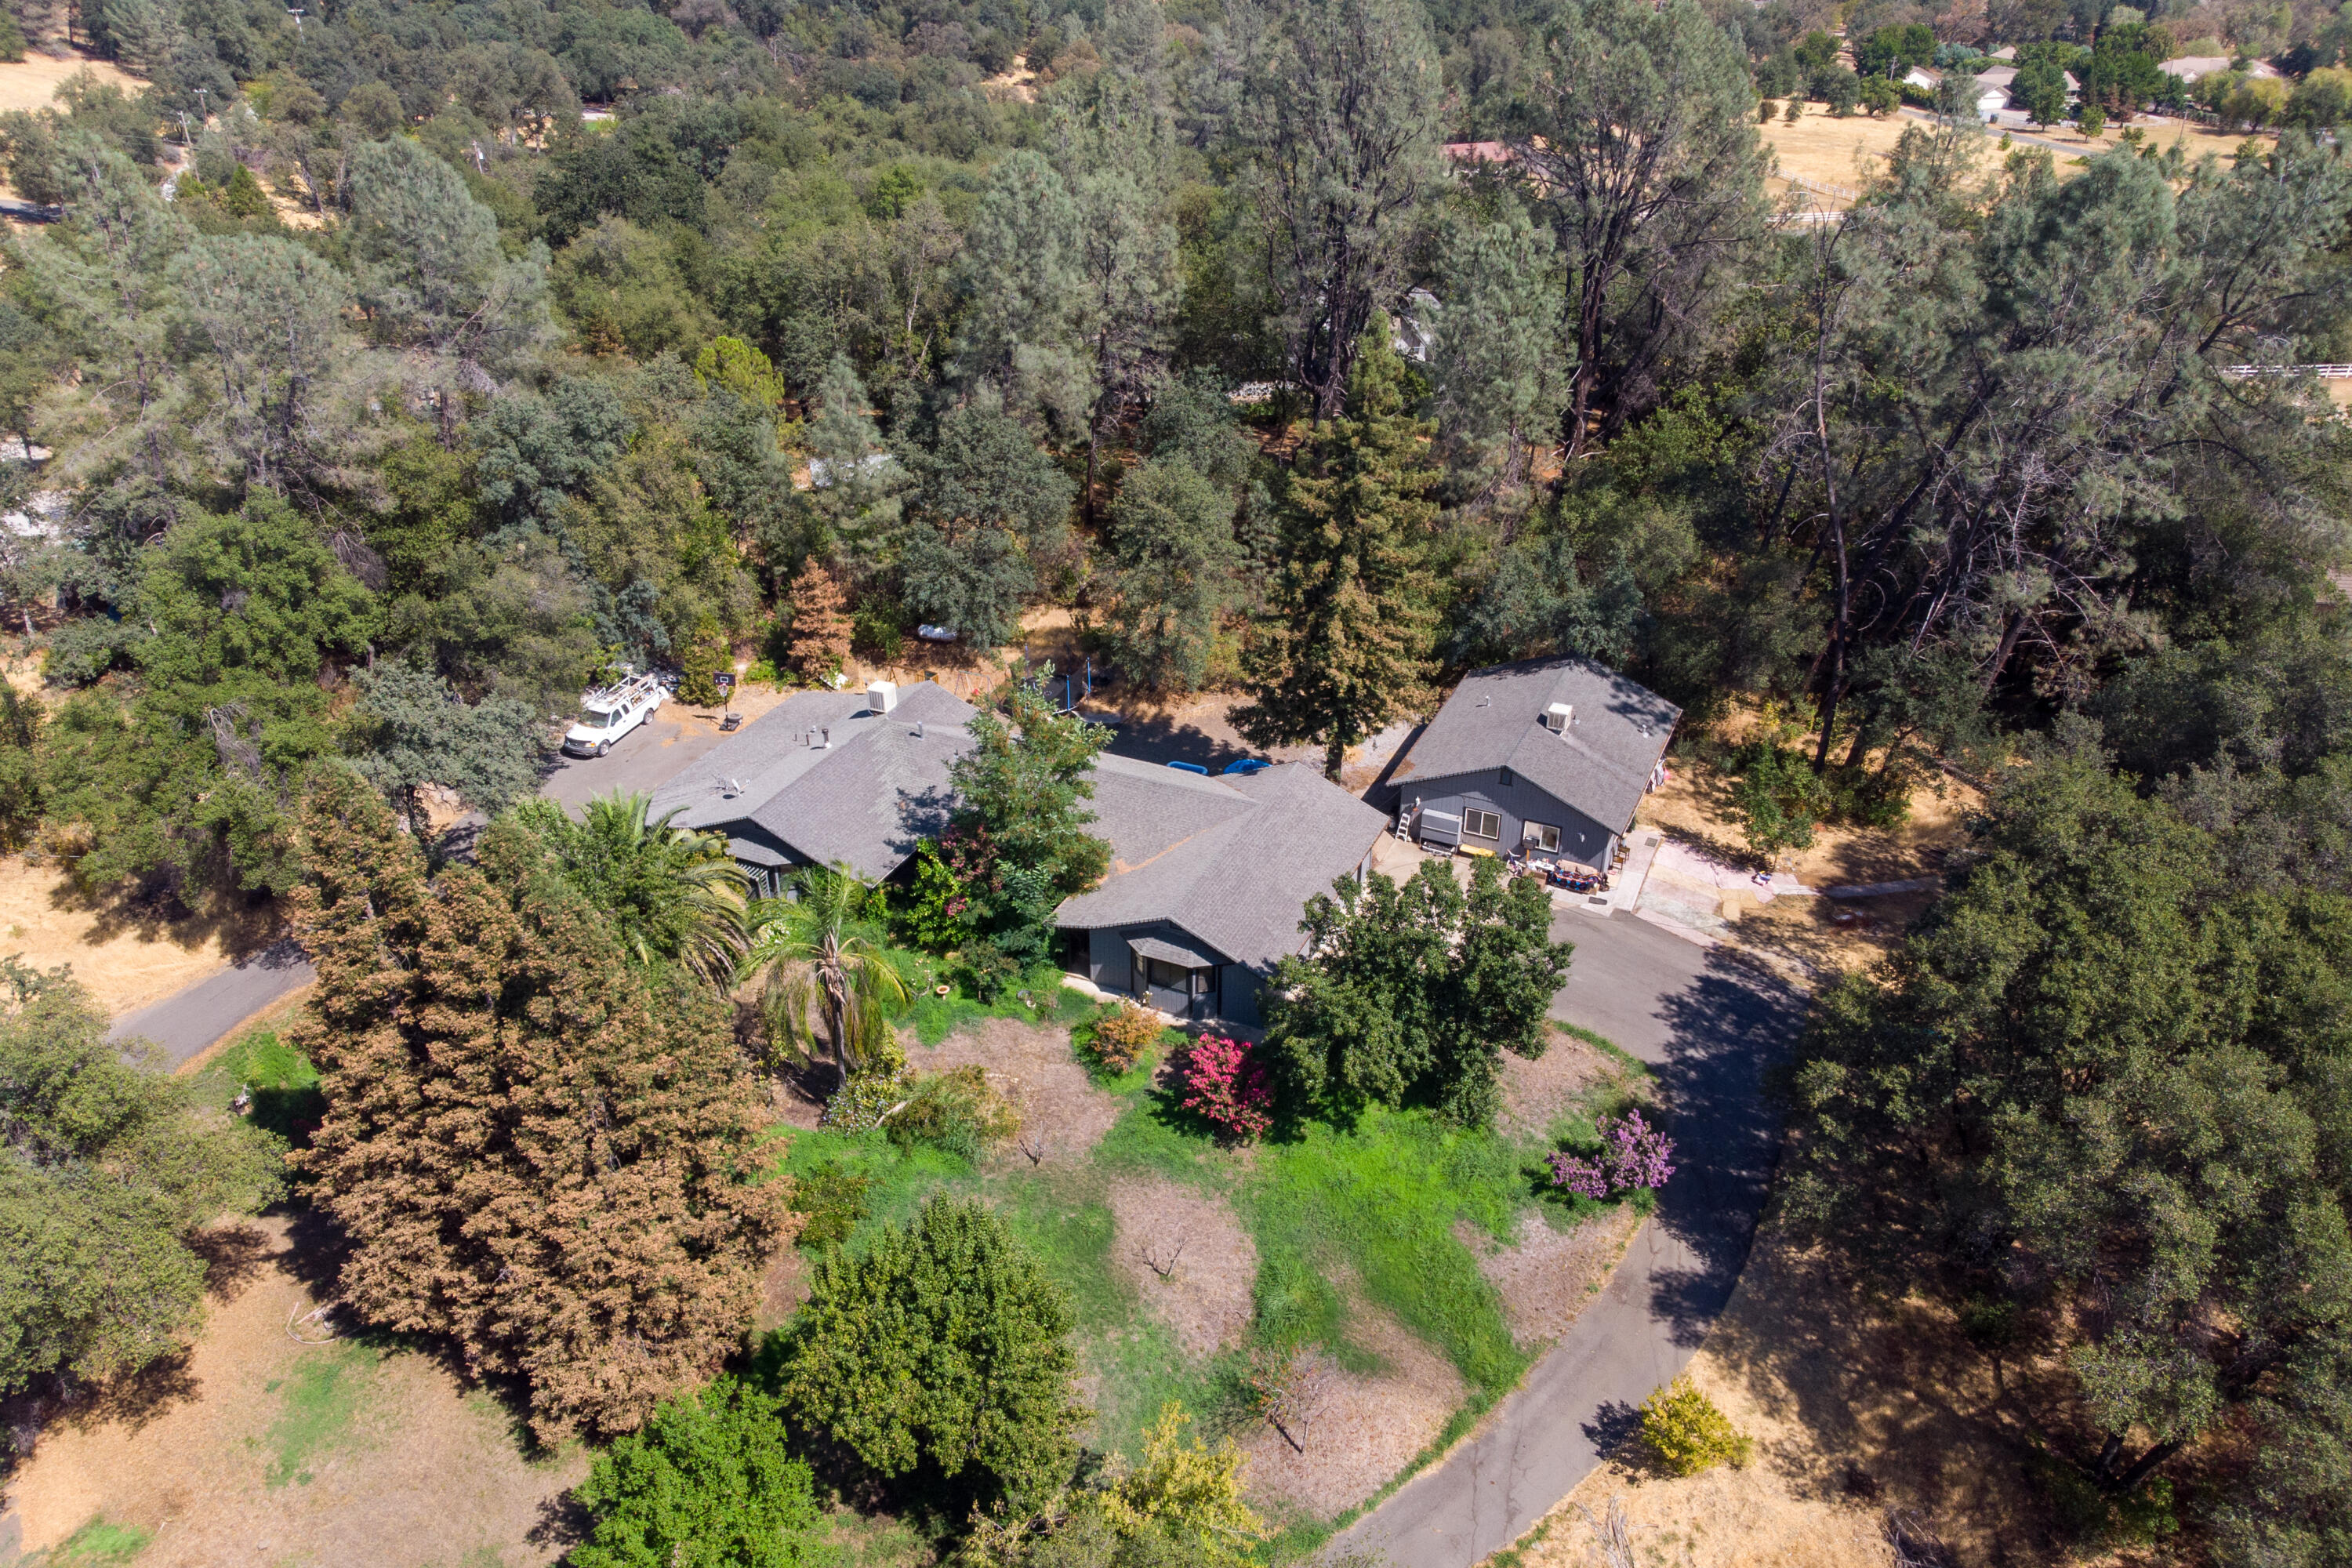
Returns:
(192,1019)
(1710,1025)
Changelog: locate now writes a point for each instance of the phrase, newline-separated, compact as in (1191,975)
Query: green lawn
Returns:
(1376,1204)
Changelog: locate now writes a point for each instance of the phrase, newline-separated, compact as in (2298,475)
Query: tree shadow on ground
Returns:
(1730,1026)
(245,925)
(234,1257)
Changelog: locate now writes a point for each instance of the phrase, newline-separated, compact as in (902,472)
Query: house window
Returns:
(1482,824)
(1507,780)
(1542,835)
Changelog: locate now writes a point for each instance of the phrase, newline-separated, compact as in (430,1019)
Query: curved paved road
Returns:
(188,1020)
(1710,1027)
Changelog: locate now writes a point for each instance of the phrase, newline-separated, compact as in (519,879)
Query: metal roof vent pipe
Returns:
(919,729)
(827,744)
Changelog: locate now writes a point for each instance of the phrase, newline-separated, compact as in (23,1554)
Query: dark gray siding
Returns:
(1518,803)
(1108,960)
(1109,965)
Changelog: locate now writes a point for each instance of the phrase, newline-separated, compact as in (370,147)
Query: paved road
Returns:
(191,1019)
(1709,1026)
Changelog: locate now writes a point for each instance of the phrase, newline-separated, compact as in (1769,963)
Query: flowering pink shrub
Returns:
(1634,1156)
(1226,1087)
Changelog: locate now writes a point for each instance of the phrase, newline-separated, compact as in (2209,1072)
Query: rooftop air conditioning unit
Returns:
(1558,717)
(881,697)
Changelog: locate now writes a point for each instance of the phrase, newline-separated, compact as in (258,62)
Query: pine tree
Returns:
(854,482)
(1498,339)
(1025,272)
(1172,537)
(534,1148)
(1344,645)
(820,628)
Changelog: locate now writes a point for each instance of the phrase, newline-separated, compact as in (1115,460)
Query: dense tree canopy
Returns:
(537,1149)
(2107,1083)
(108,1169)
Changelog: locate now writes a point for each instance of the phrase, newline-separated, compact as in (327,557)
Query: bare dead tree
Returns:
(1289,1388)
(1149,1253)
(1915,1545)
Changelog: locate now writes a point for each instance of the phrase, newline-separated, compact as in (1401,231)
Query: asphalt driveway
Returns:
(641,762)
(1710,1027)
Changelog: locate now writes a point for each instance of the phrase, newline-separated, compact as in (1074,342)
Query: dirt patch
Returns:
(1537,1093)
(1189,1260)
(126,956)
(260,1448)
(1546,1275)
(1855,1408)
(1365,1427)
(782,1289)
(1192,727)
(1062,1115)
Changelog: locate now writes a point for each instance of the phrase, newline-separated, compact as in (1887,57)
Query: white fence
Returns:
(2324,372)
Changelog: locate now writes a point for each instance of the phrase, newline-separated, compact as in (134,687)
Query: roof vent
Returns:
(881,697)
(919,729)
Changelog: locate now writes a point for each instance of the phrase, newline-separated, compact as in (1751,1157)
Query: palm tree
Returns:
(818,951)
(671,894)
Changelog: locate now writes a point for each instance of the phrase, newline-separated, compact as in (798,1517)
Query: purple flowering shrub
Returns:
(1635,1157)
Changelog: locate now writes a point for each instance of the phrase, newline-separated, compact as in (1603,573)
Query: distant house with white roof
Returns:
(2188,68)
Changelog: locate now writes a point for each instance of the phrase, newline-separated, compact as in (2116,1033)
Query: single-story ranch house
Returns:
(1548,758)
(1208,877)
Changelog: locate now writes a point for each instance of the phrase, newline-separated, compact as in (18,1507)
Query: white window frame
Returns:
(1473,816)
(1542,835)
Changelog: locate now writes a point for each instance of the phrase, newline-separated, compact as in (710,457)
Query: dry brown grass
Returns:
(1030,1064)
(1364,1428)
(127,957)
(1546,1276)
(1190,1261)
(422,1472)
(1696,806)
(1537,1092)
(1857,1407)
(32,82)
(1831,152)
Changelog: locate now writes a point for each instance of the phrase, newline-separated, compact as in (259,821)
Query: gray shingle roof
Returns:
(865,800)
(1495,720)
(1233,861)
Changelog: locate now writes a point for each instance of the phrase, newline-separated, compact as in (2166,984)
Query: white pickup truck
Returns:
(608,714)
